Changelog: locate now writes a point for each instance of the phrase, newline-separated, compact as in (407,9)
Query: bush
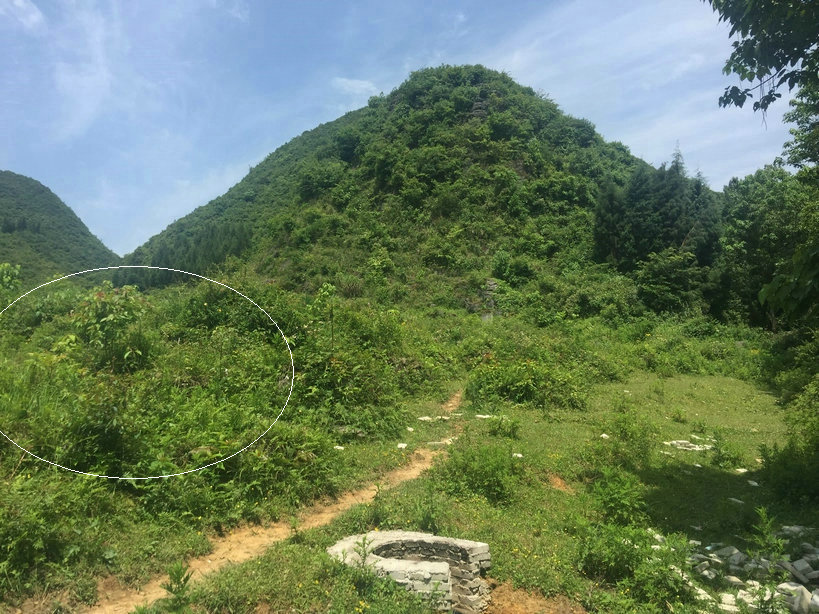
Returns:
(483,469)
(531,382)
(793,471)
(620,497)
(631,442)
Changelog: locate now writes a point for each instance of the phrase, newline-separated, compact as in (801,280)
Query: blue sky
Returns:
(135,113)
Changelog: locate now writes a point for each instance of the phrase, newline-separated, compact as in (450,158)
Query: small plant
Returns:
(428,511)
(504,426)
(363,577)
(619,494)
(179,576)
(679,416)
(725,454)
(486,470)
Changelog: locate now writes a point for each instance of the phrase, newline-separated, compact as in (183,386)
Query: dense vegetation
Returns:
(41,234)
(459,232)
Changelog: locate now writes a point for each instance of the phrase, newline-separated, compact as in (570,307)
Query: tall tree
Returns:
(778,46)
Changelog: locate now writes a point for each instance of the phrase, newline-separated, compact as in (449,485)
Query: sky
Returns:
(136,113)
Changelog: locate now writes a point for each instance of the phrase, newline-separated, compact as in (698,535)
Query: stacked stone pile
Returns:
(448,571)
(746,574)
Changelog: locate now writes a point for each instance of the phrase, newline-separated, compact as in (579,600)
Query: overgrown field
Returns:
(114,381)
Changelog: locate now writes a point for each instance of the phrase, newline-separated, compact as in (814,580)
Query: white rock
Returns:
(788,588)
(410,429)
(727,599)
(752,483)
(726,551)
(425,418)
(604,436)
(740,470)
(737,501)
(702,595)
(482,416)
(338,447)
(814,601)
(517,455)
(734,581)
(401,446)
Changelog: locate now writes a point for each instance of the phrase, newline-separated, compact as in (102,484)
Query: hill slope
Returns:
(452,146)
(42,234)
(458,175)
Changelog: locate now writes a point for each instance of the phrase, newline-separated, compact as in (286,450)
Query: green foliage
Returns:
(108,321)
(776,46)
(545,386)
(504,426)
(619,495)
(793,470)
(631,443)
(725,455)
(177,585)
(669,282)
(659,209)
(40,233)
(484,469)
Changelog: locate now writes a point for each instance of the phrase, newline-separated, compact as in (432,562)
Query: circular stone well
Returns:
(444,569)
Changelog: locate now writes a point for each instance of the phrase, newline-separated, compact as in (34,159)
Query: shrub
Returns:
(620,496)
(483,469)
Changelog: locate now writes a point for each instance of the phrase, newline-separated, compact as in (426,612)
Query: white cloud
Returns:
(82,72)
(354,87)
(237,9)
(25,12)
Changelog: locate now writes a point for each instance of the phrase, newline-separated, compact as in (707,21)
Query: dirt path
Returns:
(251,542)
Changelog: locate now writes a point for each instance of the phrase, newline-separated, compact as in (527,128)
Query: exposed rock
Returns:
(684,444)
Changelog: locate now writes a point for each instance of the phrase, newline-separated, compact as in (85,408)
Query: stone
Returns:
(446,570)
(734,581)
(814,601)
(802,566)
(726,551)
(794,571)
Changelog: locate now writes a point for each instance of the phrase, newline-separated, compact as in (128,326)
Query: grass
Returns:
(537,535)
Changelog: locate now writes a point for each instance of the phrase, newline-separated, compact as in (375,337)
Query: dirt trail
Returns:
(251,542)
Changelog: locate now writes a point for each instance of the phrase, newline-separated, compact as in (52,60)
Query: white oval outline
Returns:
(169,475)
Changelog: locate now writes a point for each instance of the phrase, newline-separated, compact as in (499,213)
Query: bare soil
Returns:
(506,599)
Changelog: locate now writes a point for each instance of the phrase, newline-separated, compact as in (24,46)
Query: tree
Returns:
(778,45)
(803,150)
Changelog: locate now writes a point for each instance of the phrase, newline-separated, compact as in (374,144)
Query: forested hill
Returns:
(457,175)
(42,234)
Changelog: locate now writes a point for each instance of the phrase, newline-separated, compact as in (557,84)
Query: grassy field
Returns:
(539,513)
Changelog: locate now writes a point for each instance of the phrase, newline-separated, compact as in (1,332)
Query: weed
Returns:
(725,454)
(619,495)
(179,576)
(504,426)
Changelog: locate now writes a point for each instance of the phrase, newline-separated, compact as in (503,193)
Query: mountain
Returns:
(42,234)
(458,175)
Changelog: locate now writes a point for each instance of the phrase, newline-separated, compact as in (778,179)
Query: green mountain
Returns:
(457,176)
(42,234)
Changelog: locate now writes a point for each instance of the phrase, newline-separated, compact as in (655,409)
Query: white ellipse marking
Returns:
(169,475)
